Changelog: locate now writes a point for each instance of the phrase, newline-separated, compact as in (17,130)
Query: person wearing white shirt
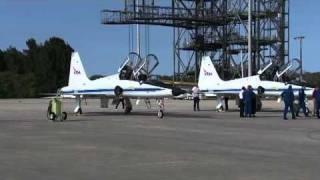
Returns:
(241,101)
(196,99)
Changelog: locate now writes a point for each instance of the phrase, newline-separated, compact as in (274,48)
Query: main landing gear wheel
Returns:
(220,109)
(160,114)
(161,108)
(64,116)
(260,90)
(258,106)
(128,110)
(79,111)
(308,111)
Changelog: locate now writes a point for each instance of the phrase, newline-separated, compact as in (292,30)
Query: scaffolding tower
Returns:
(218,28)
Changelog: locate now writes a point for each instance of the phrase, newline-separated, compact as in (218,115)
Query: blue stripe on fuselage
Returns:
(232,90)
(109,90)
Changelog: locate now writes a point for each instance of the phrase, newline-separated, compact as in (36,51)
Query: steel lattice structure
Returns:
(215,27)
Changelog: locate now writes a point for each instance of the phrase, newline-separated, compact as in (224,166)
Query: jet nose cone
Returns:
(178,91)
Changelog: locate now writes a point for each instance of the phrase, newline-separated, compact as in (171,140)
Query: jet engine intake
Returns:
(177,91)
(260,90)
(118,91)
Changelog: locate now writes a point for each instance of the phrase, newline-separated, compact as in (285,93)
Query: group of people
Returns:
(247,102)
(248,99)
(288,98)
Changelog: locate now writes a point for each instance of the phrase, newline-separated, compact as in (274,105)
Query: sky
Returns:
(102,48)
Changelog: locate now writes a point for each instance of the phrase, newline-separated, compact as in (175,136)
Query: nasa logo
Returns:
(76,72)
(206,73)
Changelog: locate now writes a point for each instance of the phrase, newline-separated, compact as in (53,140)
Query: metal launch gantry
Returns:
(218,28)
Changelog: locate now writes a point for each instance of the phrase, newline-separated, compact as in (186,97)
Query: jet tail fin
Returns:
(208,74)
(77,74)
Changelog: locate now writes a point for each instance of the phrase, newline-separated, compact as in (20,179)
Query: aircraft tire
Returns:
(52,116)
(260,90)
(64,116)
(49,111)
(79,111)
(160,114)
(308,111)
(259,107)
(127,110)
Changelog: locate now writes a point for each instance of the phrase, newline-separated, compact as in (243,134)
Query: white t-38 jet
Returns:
(210,82)
(112,87)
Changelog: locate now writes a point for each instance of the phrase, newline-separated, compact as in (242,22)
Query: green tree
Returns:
(3,65)
(42,68)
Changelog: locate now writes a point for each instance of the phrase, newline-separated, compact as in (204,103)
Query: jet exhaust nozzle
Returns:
(178,91)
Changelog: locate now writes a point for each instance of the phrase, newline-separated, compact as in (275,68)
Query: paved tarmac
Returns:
(105,144)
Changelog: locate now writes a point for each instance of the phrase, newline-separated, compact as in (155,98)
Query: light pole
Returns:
(138,31)
(300,39)
(249,38)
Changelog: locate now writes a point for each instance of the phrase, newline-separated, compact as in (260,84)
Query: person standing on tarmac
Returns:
(248,102)
(314,101)
(317,99)
(196,98)
(302,104)
(241,101)
(288,98)
(254,103)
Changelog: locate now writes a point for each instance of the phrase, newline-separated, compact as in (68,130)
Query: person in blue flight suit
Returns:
(254,103)
(302,104)
(316,95)
(248,95)
(288,98)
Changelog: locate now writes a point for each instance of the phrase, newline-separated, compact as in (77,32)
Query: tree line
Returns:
(41,68)
(312,79)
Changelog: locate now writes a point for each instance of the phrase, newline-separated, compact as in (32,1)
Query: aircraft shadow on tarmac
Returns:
(259,114)
(146,114)
(237,110)
(272,110)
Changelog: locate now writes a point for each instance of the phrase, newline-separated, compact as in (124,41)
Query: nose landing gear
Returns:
(78,109)
(161,108)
